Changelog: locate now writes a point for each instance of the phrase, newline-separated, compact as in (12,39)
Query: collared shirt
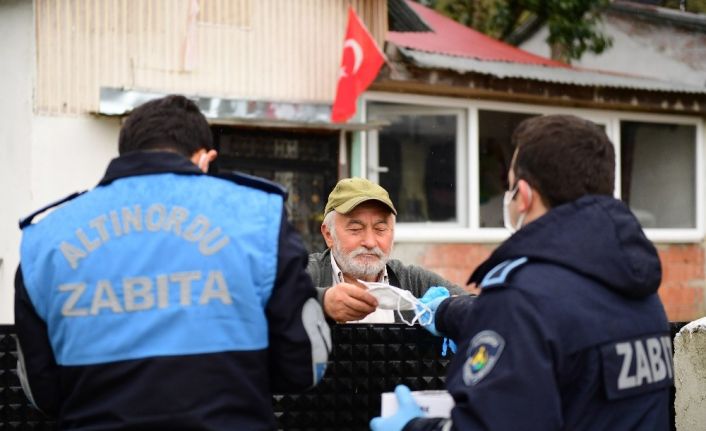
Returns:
(377,316)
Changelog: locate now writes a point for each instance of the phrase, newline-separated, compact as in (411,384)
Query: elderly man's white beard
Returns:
(353,268)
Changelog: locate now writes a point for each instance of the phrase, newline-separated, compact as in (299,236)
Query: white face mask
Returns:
(509,195)
(393,298)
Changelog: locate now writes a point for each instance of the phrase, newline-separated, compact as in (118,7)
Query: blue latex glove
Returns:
(433,293)
(432,298)
(407,409)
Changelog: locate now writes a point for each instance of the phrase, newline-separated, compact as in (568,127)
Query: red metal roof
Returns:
(452,38)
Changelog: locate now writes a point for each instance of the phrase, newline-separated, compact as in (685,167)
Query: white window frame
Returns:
(666,235)
(470,231)
(373,168)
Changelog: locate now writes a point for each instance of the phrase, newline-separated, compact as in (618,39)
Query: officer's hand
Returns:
(406,411)
(432,298)
(345,302)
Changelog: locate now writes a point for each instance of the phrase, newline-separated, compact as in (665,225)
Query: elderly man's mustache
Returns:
(362,250)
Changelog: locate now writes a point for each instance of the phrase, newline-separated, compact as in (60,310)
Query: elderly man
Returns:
(359,226)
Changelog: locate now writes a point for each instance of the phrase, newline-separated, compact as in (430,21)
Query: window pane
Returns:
(658,173)
(417,160)
(494,156)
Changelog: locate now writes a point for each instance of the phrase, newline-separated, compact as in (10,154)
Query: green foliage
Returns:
(573,27)
(477,14)
(573,24)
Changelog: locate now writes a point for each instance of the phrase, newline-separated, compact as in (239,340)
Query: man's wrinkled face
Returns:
(361,241)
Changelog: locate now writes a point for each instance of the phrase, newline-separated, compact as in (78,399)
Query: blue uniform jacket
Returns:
(568,332)
(166,299)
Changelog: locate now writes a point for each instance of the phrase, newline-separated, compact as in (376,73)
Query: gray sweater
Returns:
(409,277)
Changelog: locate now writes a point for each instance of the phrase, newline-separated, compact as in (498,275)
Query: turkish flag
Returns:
(360,64)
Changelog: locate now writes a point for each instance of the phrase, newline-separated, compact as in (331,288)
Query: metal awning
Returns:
(558,75)
(237,112)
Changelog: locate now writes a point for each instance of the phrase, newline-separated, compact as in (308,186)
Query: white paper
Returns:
(435,404)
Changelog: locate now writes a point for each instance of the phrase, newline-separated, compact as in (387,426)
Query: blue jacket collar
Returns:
(597,236)
(146,163)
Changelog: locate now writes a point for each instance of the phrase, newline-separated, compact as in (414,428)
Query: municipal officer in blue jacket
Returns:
(568,332)
(165,298)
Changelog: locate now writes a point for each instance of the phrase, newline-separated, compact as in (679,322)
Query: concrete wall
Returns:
(70,154)
(16,49)
(641,48)
(55,157)
(43,158)
(690,376)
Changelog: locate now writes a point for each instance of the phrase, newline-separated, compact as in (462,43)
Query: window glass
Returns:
(415,159)
(494,155)
(658,173)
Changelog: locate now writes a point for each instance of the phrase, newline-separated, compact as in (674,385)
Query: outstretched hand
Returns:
(345,302)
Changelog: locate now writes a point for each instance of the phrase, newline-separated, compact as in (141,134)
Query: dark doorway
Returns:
(304,161)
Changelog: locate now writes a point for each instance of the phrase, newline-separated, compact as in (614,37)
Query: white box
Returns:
(434,404)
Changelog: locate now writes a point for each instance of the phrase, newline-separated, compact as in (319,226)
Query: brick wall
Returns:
(455,262)
(683,284)
(683,280)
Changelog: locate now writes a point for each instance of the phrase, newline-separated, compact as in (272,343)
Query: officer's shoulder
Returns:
(26,221)
(254,182)
(502,273)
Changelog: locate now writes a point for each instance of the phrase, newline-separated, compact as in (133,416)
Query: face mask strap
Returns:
(522,216)
(506,209)
(421,310)
(514,190)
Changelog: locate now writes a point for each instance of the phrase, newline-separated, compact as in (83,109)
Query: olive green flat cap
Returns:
(351,192)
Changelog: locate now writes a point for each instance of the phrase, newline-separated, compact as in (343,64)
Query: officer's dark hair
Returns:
(172,123)
(564,157)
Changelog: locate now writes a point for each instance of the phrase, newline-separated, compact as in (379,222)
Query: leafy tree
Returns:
(573,24)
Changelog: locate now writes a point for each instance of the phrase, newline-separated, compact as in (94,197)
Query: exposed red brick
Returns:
(683,279)
(682,302)
(691,254)
(461,256)
(454,275)
(683,284)
(680,272)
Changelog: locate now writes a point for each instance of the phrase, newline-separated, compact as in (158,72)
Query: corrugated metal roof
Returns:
(451,38)
(559,75)
(401,17)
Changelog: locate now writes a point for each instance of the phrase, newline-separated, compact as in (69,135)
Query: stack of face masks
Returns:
(393,298)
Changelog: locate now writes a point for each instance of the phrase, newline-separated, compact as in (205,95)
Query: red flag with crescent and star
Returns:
(360,64)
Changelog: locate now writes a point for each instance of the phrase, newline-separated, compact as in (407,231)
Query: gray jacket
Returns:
(409,277)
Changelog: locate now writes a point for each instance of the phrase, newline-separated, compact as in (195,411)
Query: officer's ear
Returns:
(530,201)
(526,195)
(203,158)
